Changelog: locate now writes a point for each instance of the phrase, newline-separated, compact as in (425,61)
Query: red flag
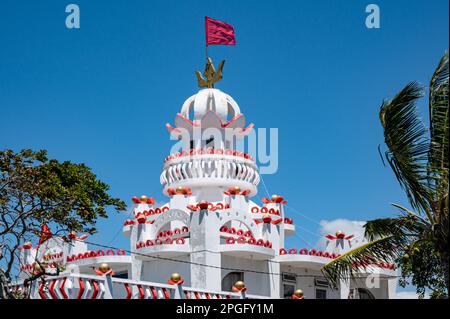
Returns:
(218,32)
(45,234)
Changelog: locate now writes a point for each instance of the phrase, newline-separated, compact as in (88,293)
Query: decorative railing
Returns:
(80,286)
(190,293)
(310,252)
(161,242)
(264,210)
(210,167)
(96,253)
(250,241)
(234,231)
(130,289)
(241,236)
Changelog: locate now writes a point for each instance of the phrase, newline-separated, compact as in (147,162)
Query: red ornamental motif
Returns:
(236,289)
(267,219)
(143,200)
(108,272)
(27,245)
(178,282)
(339,235)
(274,199)
(179,191)
(129,222)
(237,191)
(141,218)
(297,297)
(73,236)
(202,205)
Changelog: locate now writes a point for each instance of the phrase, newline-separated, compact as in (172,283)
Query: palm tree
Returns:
(417,239)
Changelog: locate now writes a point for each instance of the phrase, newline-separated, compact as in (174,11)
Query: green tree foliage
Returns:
(34,190)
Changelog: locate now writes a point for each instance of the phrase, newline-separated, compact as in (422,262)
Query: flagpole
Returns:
(206,53)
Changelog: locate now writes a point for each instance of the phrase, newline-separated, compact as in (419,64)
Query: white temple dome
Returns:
(195,107)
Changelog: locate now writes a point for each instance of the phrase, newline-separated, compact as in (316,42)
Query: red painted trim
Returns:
(127,288)
(154,294)
(61,288)
(41,291)
(51,289)
(80,293)
(166,294)
(141,292)
(96,289)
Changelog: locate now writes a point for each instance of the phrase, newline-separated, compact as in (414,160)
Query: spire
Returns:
(212,76)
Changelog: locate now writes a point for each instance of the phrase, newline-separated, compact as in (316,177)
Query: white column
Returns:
(274,279)
(205,240)
(344,289)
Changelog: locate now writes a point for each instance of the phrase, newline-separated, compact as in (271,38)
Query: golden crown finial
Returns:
(211,75)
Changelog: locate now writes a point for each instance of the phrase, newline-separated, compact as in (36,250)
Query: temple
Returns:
(211,239)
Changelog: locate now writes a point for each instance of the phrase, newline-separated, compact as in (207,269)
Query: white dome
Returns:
(210,100)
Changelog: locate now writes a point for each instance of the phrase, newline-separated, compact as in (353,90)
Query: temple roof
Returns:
(210,99)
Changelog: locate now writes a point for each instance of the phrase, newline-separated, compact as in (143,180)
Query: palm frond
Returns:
(408,211)
(349,264)
(439,128)
(402,228)
(405,137)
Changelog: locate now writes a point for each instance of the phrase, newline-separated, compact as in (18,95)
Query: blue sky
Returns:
(101,94)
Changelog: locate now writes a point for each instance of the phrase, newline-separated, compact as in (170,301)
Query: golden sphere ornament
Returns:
(298,293)
(239,285)
(237,189)
(175,277)
(179,190)
(104,267)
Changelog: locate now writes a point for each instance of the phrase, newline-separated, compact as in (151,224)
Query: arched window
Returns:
(230,279)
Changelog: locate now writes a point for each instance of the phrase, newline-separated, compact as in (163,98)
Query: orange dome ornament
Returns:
(298,294)
(339,235)
(236,190)
(104,270)
(175,279)
(275,199)
(239,286)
